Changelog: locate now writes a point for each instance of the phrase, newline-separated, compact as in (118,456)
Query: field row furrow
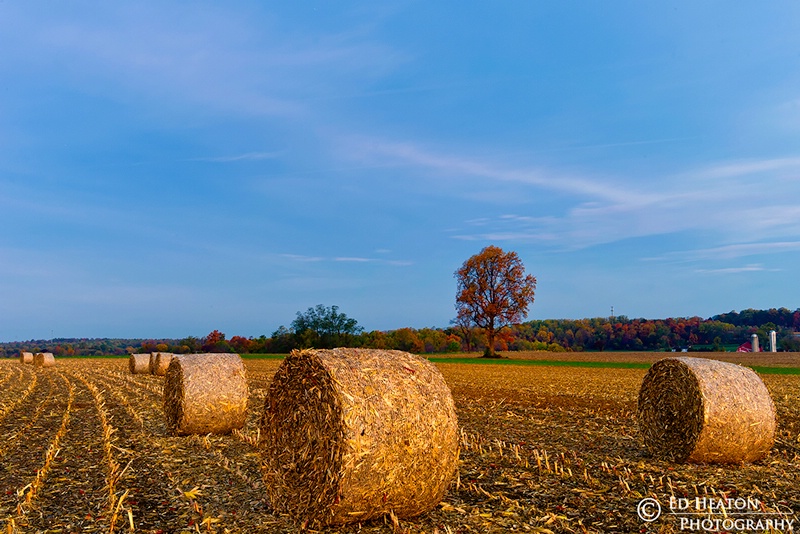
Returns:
(32,490)
(21,459)
(15,396)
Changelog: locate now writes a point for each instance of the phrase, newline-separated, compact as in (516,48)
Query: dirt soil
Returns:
(84,448)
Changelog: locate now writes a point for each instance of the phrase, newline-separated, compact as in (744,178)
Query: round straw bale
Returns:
(44,359)
(139,364)
(25,357)
(159,361)
(205,394)
(705,411)
(353,434)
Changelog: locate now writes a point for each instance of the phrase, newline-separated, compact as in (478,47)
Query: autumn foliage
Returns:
(493,292)
(721,332)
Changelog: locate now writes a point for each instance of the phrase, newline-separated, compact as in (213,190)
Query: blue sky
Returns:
(171,168)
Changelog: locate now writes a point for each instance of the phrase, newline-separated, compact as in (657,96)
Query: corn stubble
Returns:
(542,449)
(353,434)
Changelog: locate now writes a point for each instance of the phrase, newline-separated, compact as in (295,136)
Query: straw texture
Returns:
(25,357)
(159,362)
(139,364)
(205,394)
(44,359)
(353,434)
(705,411)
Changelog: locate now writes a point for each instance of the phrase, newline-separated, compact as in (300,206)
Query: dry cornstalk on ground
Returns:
(25,357)
(139,364)
(705,411)
(353,434)
(44,359)
(543,449)
(205,394)
(159,362)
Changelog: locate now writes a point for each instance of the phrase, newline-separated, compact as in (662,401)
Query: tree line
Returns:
(326,327)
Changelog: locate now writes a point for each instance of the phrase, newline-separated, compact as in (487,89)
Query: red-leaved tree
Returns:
(493,292)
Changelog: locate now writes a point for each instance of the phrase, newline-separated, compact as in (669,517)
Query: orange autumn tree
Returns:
(493,292)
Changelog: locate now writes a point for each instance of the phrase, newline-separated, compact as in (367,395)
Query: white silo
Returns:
(773,341)
(754,342)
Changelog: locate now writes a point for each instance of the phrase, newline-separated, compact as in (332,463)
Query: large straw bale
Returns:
(25,357)
(139,364)
(159,362)
(353,434)
(205,393)
(705,411)
(44,359)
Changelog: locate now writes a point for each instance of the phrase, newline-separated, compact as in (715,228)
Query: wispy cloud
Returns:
(347,259)
(216,60)
(249,156)
(302,258)
(745,249)
(729,252)
(749,168)
(409,154)
(737,270)
(729,200)
(353,260)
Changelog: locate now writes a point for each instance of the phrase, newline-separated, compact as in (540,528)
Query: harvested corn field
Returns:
(84,447)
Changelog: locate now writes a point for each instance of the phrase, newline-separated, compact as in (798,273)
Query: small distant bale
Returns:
(44,359)
(205,394)
(159,362)
(705,411)
(354,434)
(139,364)
(25,357)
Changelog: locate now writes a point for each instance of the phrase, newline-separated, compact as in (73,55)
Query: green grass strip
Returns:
(548,363)
(775,370)
(263,356)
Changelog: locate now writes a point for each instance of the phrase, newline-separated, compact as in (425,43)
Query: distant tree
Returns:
(281,341)
(189,344)
(324,327)
(493,292)
(406,339)
(241,344)
(215,342)
(464,325)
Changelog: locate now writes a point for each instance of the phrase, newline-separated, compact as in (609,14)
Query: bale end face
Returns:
(705,411)
(353,434)
(159,362)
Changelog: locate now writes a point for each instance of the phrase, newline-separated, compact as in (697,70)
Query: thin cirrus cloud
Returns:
(346,259)
(249,156)
(409,154)
(737,270)
(733,251)
(216,57)
(726,199)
